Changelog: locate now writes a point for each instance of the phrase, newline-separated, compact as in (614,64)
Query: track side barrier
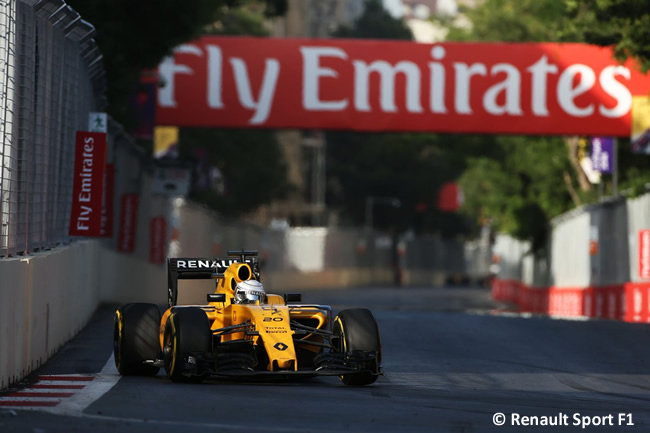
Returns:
(637,302)
(45,300)
(628,302)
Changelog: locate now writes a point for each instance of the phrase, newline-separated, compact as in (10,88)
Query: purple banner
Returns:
(143,103)
(602,154)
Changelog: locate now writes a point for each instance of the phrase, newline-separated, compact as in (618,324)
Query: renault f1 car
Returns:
(272,336)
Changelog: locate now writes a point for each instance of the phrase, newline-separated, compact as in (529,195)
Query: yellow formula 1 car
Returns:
(243,332)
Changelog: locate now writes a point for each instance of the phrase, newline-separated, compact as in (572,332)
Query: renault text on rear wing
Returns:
(204,268)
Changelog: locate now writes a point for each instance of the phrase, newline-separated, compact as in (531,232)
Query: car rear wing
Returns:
(204,268)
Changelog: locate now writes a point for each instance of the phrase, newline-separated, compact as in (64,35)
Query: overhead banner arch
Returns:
(378,85)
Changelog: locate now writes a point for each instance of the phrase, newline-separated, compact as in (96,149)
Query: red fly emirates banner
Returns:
(128,222)
(157,240)
(88,184)
(532,88)
(106,228)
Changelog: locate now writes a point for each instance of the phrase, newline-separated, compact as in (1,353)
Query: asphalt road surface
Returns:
(453,361)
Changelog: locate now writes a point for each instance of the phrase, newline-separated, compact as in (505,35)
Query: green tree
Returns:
(250,161)
(375,23)
(518,189)
(623,24)
(513,21)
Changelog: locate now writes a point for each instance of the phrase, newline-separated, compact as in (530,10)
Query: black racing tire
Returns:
(187,331)
(357,330)
(136,338)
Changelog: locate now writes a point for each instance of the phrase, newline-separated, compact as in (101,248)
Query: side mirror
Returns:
(292,297)
(216,297)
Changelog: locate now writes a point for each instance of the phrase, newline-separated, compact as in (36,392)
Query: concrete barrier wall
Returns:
(45,299)
(124,278)
(14,350)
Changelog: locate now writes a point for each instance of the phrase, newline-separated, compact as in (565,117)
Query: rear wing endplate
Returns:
(204,268)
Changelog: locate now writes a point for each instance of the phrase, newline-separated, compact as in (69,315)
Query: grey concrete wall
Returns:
(45,299)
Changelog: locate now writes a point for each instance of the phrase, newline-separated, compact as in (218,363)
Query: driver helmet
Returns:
(249,292)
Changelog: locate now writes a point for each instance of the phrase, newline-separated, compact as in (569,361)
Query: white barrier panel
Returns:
(570,259)
(534,270)
(638,218)
(478,257)
(510,252)
(609,249)
(306,248)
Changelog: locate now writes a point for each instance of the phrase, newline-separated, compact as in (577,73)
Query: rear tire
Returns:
(187,332)
(357,331)
(136,339)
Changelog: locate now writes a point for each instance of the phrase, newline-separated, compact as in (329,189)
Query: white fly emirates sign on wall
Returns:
(373,85)
(88,184)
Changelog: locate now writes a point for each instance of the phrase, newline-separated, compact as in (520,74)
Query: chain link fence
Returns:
(50,79)
(7,100)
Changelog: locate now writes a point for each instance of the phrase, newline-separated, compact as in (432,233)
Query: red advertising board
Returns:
(373,85)
(128,222)
(157,240)
(449,198)
(88,184)
(644,254)
(637,296)
(106,229)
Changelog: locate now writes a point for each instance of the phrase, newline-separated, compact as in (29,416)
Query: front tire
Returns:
(187,332)
(357,331)
(136,339)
